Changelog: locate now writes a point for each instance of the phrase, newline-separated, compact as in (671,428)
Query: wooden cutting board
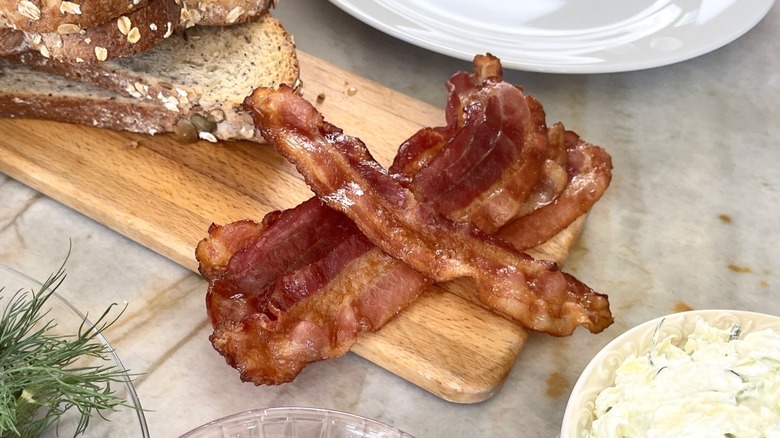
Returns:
(164,195)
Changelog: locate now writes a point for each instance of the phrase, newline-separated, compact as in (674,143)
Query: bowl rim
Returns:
(131,392)
(277,412)
(573,413)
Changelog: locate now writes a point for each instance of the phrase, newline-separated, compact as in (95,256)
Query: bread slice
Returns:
(131,33)
(199,78)
(44,16)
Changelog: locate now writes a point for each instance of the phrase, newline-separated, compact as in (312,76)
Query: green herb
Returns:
(735,331)
(43,375)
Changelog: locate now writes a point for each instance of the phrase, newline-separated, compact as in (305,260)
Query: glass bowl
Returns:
(599,373)
(125,421)
(295,422)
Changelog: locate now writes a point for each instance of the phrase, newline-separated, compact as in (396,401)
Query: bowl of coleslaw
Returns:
(696,373)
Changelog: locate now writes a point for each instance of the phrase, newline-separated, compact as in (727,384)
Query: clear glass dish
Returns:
(295,422)
(126,421)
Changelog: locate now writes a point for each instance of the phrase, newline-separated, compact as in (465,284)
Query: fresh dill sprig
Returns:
(43,374)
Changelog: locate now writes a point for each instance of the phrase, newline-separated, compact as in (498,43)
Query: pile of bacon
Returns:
(463,200)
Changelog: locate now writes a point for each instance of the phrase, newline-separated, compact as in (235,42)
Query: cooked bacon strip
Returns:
(491,126)
(294,290)
(589,170)
(343,174)
(215,253)
(553,178)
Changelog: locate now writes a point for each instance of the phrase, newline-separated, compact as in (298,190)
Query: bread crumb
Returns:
(298,87)
(351,91)
(207,136)
(132,144)
(320,97)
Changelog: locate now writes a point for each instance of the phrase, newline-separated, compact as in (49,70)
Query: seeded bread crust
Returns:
(203,73)
(12,42)
(129,34)
(223,12)
(43,16)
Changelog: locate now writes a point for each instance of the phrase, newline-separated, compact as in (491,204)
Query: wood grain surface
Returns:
(164,195)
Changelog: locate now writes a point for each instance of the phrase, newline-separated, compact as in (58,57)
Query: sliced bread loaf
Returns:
(200,77)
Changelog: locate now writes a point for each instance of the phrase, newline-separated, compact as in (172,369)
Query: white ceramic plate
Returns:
(600,372)
(295,422)
(565,36)
(125,421)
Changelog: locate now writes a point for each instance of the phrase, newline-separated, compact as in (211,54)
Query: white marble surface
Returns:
(689,220)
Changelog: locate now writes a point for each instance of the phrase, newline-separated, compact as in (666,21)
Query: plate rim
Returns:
(758,12)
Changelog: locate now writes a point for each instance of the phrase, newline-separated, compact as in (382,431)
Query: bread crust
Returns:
(12,42)
(224,12)
(129,34)
(117,115)
(44,16)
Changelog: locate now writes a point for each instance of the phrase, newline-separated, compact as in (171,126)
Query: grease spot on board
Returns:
(726,219)
(740,269)
(681,306)
(557,385)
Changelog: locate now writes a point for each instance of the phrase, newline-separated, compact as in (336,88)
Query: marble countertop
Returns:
(690,221)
